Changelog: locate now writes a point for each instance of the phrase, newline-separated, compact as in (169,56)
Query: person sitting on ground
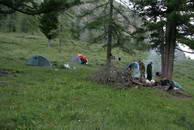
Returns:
(158,78)
(83,60)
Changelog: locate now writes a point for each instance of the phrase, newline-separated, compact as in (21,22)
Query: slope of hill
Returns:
(48,98)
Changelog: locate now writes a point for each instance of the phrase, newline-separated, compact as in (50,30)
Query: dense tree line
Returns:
(18,22)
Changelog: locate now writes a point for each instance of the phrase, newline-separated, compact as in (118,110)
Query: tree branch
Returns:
(89,12)
(185,51)
(125,17)
(7,11)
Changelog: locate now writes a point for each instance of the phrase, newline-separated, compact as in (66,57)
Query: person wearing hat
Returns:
(149,71)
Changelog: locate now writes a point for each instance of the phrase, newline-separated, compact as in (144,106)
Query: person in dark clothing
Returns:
(158,78)
(83,61)
(149,71)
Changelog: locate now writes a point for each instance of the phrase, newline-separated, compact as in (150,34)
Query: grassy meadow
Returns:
(48,98)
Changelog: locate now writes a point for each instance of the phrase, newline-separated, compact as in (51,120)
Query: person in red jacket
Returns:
(84,59)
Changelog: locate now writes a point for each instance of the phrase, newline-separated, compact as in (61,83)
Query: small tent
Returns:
(78,57)
(38,61)
(75,58)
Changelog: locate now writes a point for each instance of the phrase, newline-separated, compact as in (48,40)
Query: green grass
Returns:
(38,98)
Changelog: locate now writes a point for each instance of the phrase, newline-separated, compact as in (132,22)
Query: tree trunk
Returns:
(49,43)
(109,43)
(162,60)
(60,38)
(60,45)
(169,48)
(162,45)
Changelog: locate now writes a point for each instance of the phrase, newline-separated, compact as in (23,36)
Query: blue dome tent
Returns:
(38,61)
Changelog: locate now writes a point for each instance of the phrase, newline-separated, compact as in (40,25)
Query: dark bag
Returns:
(168,83)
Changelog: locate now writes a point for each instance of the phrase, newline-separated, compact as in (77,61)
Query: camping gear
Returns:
(75,59)
(67,66)
(168,84)
(80,58)
(38,61)
(177,85)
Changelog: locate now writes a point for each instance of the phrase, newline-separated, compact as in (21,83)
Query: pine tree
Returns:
(116,27)
(49,26)
(171,22)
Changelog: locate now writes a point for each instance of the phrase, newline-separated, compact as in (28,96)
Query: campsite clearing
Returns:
(42,98)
